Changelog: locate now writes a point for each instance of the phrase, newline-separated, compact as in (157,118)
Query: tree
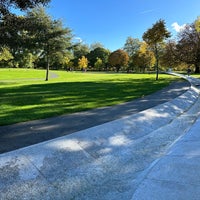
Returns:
(197,24)
(48,35)
(169,57)
(5,55)
(7,5)
(11,34)
(98,64)
(11,25)
(154,37)
(79,50)
(12,31)
(27,59)
(99,52)
(132,46)
(96,45)
(60,60)
(118,59)
(188,47)
(143,58)
(83,63)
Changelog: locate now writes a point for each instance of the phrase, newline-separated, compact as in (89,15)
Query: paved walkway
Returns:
(176,175)
(153,154)
(25,134)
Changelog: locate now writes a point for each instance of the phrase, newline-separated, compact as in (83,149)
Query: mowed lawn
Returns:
(24,95)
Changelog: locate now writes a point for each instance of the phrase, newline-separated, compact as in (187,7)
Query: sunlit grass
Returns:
(196,75)
(26,96)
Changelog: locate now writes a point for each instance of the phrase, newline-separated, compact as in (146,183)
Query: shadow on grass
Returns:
(24,134)
(28,102)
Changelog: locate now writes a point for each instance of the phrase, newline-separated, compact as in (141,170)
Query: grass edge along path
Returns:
(25,96)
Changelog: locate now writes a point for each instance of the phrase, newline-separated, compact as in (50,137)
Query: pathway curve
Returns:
(24,134)
(111,161)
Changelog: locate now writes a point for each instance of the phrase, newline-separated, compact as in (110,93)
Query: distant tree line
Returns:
(36,40)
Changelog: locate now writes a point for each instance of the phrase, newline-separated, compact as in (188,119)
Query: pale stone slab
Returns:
(190,148)
(194,132)
(18,175)
(184,170)
(164,190)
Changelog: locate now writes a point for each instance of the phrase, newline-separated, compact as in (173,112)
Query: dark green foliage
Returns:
(99,52)
(35,34)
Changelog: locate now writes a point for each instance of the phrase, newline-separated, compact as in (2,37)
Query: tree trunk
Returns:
(47,70)
(117,68)
(197,69)
(156,54)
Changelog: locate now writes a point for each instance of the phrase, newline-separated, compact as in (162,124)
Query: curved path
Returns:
(24,134)
(176,175)
(139,156)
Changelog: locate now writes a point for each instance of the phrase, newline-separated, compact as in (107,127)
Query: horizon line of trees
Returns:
(36,40)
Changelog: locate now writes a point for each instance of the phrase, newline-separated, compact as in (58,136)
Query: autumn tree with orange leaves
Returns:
(118,59)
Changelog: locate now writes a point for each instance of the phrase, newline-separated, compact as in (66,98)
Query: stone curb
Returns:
(176,174)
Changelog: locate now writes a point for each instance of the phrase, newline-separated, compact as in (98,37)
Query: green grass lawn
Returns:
(196,75)
(24,95)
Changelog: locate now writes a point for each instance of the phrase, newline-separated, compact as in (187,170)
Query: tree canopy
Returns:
(37,40)
(48,35)
(132,45)
(188,47)
(98,52)
(155,36)
(118,59)
(39,35)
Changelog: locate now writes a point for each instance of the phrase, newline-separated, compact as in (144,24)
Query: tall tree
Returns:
(48,35)
(118,59)
(79,50)
(169,57)
(188,46)
(132,46)
(154,37)
(143,58)
(99,52)
(14,35)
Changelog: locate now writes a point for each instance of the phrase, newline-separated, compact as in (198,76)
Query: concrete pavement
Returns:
(152,154)
(176,175)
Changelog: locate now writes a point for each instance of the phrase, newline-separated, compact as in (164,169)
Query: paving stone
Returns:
(164,190)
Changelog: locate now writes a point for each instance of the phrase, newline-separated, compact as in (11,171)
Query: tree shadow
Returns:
(24,134)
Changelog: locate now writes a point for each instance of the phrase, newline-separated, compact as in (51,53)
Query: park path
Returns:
(25,134)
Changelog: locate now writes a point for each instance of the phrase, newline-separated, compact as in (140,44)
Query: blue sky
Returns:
(110,22)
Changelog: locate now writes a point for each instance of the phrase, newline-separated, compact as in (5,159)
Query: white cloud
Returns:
(78,39)
(178,27)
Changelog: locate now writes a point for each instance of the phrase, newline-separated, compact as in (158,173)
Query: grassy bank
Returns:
(26,96)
